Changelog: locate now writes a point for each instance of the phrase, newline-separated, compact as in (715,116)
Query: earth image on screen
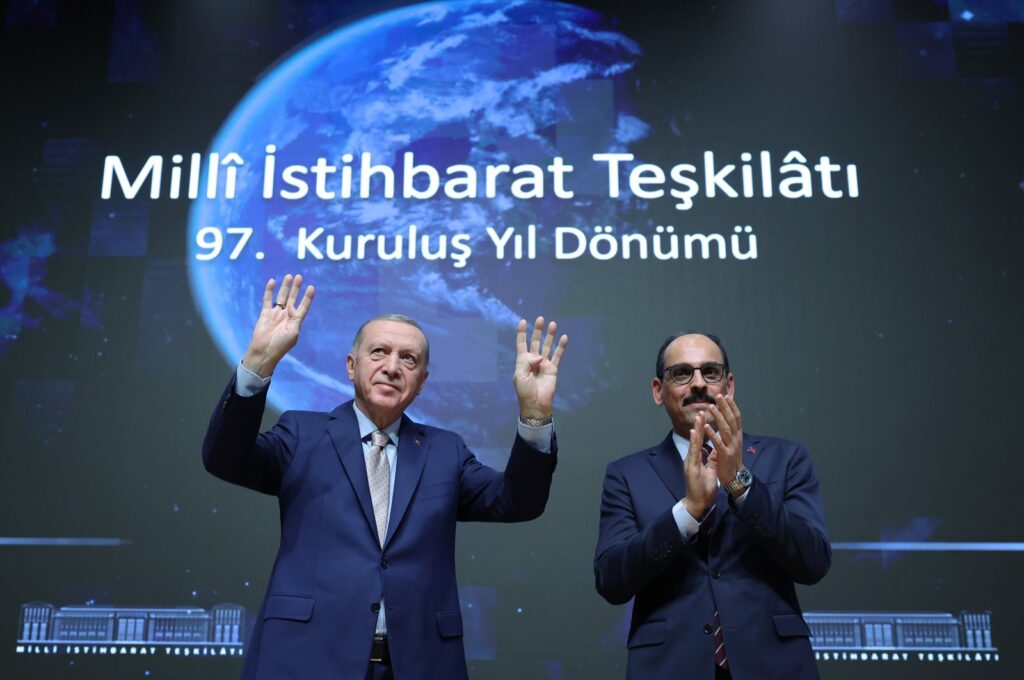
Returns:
(475,83)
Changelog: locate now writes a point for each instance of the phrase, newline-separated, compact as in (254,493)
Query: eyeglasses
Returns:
(682,374)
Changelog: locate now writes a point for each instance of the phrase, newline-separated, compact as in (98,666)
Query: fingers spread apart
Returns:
(541,343)
(288,295)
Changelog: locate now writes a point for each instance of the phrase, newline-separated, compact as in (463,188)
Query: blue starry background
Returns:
(880,331)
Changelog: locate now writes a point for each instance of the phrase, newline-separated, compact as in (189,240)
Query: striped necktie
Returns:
(720,658)
(719,640)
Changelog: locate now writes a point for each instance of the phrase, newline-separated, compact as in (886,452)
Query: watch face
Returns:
(744,477)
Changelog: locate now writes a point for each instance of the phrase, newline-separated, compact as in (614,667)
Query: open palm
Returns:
(536,372)
(277,328)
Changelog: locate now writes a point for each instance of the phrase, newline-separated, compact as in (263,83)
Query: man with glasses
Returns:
(709,530)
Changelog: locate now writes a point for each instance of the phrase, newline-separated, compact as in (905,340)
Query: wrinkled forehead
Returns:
(693,349)
(394,334)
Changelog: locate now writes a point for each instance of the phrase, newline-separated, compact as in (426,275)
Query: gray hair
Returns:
(400,318)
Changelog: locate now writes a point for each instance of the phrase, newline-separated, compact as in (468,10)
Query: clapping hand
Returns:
(726,437)
(701,479)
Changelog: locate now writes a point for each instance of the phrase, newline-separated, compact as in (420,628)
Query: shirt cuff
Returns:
(537,437)
(688,526)
(739,501)
(247,383)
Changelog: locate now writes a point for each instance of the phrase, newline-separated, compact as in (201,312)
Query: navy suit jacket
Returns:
(744,560)
(318,617)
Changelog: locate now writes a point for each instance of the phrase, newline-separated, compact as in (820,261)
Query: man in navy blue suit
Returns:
(708,531)
(364,581)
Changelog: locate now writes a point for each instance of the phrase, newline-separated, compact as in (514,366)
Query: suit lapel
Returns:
(751,447)
(750,457)
(722,507)
(344,432)
(669,466)
(412,456)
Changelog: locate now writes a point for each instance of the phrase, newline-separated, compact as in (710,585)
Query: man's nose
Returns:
(697,382)
(391,363)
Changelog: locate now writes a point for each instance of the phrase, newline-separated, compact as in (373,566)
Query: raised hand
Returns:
(701,480)
(728,439)
(536,372)
(277,329)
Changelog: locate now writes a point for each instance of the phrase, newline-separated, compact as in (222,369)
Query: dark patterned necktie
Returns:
(719,639)
(720,658)
(378,474)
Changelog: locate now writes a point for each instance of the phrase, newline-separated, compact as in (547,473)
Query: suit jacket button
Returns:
(384,564)
(716,574)
(708,630)
(375,607)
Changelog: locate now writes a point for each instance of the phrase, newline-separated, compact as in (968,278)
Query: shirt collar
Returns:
(366,426)
(682,443)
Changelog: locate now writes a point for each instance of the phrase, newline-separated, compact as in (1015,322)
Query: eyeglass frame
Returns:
(694,370)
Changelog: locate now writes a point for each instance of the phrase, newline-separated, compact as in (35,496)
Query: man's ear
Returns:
(730,385)
(656,392)
(350,366)
(423,382)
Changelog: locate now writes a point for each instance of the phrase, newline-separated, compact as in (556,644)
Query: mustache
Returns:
(698,397)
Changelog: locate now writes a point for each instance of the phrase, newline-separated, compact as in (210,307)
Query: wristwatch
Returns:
(535,422)
(743,480)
